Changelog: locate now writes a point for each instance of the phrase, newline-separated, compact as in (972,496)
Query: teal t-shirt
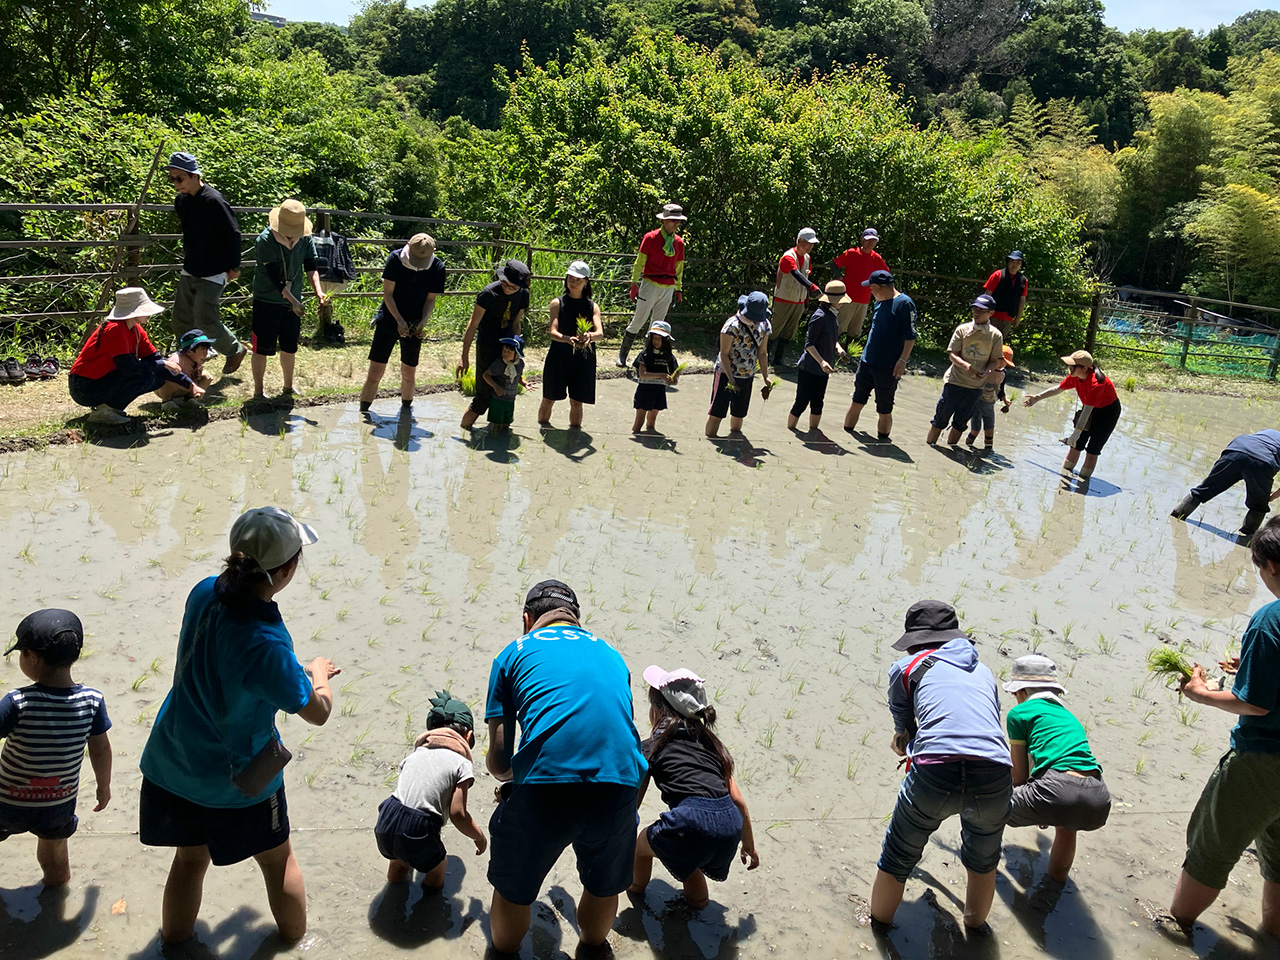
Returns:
(276,265)
(236,667)
(1055,739)
(1258,682)
(570,692)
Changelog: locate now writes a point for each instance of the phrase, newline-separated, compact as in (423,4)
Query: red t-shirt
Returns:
(1091,392)
(858,266)
(658,267)
(113,339)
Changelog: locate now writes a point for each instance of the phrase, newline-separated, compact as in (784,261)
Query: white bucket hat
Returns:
(270,536)
(1035,671)
(683,689)
(132,303)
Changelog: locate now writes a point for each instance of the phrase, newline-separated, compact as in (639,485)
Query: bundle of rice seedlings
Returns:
(467,382)
(679,370)
(1169,664)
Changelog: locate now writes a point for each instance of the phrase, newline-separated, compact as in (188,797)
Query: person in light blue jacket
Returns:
(946,720)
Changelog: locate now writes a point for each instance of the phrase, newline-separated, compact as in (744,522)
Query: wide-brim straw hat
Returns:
(133,303)
(290,219)
(834,293)
(420,249)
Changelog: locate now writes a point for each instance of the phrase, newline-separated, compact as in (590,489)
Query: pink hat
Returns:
(683,689)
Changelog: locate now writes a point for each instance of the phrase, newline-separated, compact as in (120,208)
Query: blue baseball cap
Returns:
(984,301)
(882,277)
(184,162)
(515,343)
(1014,255)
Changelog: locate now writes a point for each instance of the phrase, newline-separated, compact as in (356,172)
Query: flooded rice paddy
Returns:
(778,566)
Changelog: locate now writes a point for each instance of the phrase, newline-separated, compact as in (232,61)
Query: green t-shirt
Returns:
(1055,739)
(278,266)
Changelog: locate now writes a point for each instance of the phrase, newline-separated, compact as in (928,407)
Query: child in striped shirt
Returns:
(45,727)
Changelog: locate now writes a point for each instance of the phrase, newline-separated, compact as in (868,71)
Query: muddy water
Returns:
(777,566)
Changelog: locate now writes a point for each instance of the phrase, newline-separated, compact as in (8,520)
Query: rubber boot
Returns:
(1184,508)
(779,349)
(628,338)
(1252,521)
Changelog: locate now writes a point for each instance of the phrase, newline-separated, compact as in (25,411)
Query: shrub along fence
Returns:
(61,262)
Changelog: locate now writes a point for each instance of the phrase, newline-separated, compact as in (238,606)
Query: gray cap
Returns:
(270,536)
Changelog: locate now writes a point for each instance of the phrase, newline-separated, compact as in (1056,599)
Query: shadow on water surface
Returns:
(401,430)
(35,923)
(655,441)
(1055,916)
(409,915)
(924,930)
(882,449)
(675,931)
(572,444)
(819,442)
(499,446)
(244,935)
(737,446)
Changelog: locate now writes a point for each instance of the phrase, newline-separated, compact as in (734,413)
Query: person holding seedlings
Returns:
(432,785)
(744,347)
(822,352)
(792,287)
(504,378)
(1251,457)
(976,350)
(210,258)
(194,348)
(984,414)
(656,277)
(1056,780)
(285,252)
(1098,414)
(499,311)
(655,368)
(884,359)
(707,818)
(1240,805)
(858,263)
(570,368)
(118,363)
(1008,287)
(574,778)
(946,718)
(47,727)
(412,278)
(213,764)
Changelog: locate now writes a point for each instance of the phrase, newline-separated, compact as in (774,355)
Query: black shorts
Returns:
(955,406)
(409,835)
(571,372)
(650,396)
(232,834)
(879,379)
(56,822)
(724,400)
(385,335)
(698,833)
(811,392)
(1101,425)
(274,324)
(531,828)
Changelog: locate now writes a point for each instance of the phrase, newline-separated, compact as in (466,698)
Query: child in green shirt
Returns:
(1056,780)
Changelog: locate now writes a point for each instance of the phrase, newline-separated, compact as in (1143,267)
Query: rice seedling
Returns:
(1187,716)
(137,684)
(851,768)
(1169,664)
(349,708)
(1143,737)
(1198,748)
(1139,766)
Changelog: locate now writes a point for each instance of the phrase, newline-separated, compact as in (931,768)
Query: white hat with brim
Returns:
(683,689)
(290,219)
(270,536)
(133,303)
(1034,671)
(580,269)
(662,329)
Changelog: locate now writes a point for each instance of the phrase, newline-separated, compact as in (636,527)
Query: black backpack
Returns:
(336,263)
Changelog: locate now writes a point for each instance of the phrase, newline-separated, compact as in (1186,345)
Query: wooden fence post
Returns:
(1191,330)
(1095,317)
(325,311)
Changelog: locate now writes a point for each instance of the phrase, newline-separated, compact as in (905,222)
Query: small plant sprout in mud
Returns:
(1139,765)
(1169,664)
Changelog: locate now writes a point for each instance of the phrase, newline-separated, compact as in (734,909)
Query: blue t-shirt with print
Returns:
(571,694)
(893,323)
(236,667)
(1258,682)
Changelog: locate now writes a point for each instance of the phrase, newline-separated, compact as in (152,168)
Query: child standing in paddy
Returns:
(984,414)
(699,835)
(1056,780)
(433,784)
(655,368)
(45,727)
(505,377)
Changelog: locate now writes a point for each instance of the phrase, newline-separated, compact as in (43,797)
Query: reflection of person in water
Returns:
(1253,458)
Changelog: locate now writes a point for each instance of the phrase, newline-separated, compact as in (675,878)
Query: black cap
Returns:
(515,271)
(883,277)
(552,590)
(929,622)
(53,633)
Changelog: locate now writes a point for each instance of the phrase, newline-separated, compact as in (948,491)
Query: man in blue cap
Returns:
(884,359)
(1009,289)
(210,257)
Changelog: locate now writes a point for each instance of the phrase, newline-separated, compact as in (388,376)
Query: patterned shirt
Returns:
(46,729)
(744,352)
